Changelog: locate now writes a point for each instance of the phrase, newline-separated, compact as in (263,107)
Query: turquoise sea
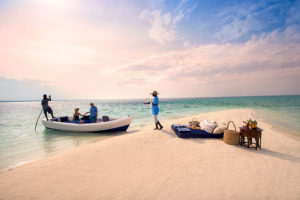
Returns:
(19,143)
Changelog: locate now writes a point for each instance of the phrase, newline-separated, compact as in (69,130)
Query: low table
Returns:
(249,134)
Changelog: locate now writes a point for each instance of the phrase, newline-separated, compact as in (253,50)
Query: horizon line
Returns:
(33,100)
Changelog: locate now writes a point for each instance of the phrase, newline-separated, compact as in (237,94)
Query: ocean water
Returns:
(19,143)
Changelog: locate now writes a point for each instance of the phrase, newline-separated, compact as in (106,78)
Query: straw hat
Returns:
(76,108)
(154,92)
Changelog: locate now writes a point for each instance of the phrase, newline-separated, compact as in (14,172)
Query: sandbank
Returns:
(151,164)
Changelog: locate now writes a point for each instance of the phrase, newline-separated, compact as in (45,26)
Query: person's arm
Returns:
(155,102)
(86,113)
(73,117)
(81,114)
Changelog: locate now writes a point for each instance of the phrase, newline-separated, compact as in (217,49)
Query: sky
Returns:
(124,49)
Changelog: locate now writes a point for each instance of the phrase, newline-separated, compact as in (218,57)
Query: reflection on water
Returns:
(56,140)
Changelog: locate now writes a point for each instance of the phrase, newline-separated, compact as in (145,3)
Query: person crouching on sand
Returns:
(155,110)
(76,115)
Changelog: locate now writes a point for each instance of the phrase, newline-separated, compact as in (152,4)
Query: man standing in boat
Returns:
(93,113)
(155,110)
(46,107)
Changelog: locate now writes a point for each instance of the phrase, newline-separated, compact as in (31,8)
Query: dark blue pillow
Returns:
(64,119)
(86,117)
(105,118)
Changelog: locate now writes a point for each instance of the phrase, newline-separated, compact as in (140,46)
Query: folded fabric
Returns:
(179,126)
(183,129)
(208,126)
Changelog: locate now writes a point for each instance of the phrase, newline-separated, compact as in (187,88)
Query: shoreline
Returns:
(284,131)
(138,127)
(291,133)
(149,164)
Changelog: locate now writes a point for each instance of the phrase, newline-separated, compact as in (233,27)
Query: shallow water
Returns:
(19,143)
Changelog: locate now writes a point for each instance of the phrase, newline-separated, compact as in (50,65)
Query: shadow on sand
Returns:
(282,156)
(275,154)
(169,133)
(264,151)
(196,140)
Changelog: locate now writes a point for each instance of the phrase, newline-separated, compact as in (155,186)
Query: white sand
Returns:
(151,164)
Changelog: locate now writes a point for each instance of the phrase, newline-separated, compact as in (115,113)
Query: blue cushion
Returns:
(193,133)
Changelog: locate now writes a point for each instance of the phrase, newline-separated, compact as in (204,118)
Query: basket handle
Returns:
(232,123)
(196,120)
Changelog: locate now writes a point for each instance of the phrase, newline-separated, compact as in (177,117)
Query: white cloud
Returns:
(109,60)
(293,18)
(248,18)
(163,25)
(238,23)
(161,29)
(273,57)
(238,28)
(187,44)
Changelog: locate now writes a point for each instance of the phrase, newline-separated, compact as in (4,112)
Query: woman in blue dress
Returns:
(155,110)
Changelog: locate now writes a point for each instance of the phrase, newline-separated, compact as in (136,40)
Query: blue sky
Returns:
(235,21)
(139,46)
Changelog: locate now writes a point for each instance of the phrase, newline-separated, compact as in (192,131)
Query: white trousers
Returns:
(155,118)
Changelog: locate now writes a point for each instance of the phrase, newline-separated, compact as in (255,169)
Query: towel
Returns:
(183,129)
(179,126)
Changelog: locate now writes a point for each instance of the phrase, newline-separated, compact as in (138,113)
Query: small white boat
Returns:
(66,124)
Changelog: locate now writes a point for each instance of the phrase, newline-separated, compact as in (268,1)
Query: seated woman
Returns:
(76,118)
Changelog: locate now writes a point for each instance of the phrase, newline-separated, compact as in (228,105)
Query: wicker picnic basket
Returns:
(194,122)
(230,136)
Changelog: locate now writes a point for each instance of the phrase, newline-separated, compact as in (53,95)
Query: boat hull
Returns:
(119,124)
